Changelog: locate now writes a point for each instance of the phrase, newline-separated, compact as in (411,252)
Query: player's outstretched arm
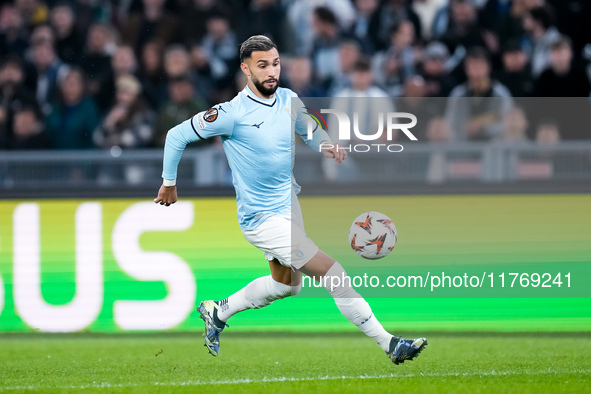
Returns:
(176,140)
(320,141)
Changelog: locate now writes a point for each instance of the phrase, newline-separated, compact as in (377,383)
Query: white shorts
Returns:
(283,237)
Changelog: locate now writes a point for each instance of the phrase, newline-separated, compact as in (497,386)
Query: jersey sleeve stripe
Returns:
(195,130)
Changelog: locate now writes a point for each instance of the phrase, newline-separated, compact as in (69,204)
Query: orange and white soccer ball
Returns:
(372,235)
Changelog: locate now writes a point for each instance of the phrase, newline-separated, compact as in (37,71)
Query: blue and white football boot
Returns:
(213,326)
(405,349)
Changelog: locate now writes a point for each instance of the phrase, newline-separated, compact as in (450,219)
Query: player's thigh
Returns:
(281,239)
(318,265)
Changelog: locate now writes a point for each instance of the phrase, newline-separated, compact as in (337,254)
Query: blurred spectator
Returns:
(95,59)
(130,122)
(362,82)
(515,126)
(123,62)
(73,116)
(463,29)
(438,82)
(300,13)
(266,17)
(325,46)
(357,99)
(177,63)
(69,41)
(391,13)
(183,104)
(478,106)
(216,59)
(349,53)
(415,101)
(13,96)
(359,29)
(48,71)
(90,12)
(516,74)
(539,25)
(548,133)
(151,75)
(194,18)
(415,87)
(42,34)
(395,65)
(438,130)
(562,79)
(199,64)
(13,37)
(572,19)
(29,133)
(509,25)
(299,76)
(221,45)
(33,12)
(154,22)
(366,105)
(426,11)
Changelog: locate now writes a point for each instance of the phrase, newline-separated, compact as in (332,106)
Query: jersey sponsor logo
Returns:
(200,121)
(211,115)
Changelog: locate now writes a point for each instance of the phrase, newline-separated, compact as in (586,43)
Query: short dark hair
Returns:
(362,64)
(180,79)
(325,14)
(255,43)
(513,45)
(561,42)
(543,15)
(31,109)
(477,53)
(12,60)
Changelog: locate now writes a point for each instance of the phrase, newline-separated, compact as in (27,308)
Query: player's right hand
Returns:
(166,195)
(335,151)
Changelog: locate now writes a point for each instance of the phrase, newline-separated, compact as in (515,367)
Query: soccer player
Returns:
(257,133)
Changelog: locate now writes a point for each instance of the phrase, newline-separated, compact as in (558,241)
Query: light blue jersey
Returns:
(258,141)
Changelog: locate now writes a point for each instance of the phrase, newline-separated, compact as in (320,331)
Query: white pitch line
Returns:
(292,379)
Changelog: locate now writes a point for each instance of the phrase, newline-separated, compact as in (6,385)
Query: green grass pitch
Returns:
(293,363)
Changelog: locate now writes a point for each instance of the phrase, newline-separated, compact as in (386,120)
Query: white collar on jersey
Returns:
(268,102)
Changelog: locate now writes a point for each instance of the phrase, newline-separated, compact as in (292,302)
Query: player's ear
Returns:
(245,69)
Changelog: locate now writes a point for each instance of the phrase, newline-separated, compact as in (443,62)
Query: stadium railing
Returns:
(40,172)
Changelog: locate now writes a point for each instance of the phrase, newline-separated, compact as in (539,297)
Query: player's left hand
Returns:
(335,151)
(167,195)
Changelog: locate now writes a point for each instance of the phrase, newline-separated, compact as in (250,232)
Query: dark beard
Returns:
(265,91)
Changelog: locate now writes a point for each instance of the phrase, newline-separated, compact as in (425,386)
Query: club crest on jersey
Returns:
(211,115)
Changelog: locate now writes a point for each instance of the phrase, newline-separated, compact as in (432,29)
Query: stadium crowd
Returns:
(85,74)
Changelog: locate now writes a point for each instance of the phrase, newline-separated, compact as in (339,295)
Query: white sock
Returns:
(257,294)
(355,308)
